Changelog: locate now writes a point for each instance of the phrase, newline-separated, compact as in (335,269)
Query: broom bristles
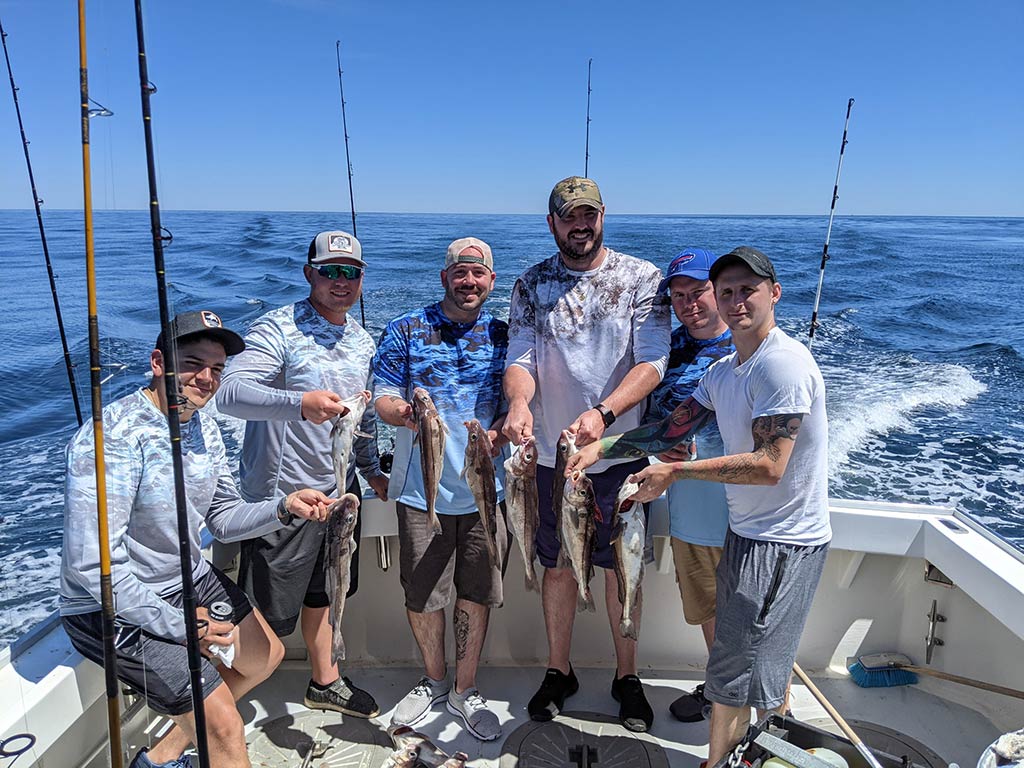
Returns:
(867,674)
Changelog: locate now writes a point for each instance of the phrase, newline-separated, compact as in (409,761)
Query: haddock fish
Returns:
(403,757)
(428,753)
(523,506)
(628,540)
(578,531)
(343,434)
(479,473)
(431,433)
(566,447)
(340,544)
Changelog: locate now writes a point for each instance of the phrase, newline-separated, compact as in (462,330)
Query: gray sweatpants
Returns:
(764,593)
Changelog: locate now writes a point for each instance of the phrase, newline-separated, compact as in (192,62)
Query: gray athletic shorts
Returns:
(430,566)
(284,570)
(155,666)
(764,591)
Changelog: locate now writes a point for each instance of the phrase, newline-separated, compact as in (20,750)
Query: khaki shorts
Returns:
(695,572)
(430,566)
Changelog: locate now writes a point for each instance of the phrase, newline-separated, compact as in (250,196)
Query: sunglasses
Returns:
(335,271)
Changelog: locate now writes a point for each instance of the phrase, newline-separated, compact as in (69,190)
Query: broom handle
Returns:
(962,680)
(843,725)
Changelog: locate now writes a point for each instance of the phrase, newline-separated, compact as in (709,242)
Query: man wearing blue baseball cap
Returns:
(698,512)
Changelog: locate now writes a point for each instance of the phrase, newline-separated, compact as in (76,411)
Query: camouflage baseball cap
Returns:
(573,191)
(457,253)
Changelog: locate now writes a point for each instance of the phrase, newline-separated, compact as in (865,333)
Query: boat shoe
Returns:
(691,707)
(141,760)
(549,699)
(635,712)
(417,702)
(472,708)
(341,696)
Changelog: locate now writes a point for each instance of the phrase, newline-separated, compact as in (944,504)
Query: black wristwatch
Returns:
(606,414)
(282,512)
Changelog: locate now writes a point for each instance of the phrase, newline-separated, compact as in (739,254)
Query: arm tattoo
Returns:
(767,432)
(460,618)
(648,439)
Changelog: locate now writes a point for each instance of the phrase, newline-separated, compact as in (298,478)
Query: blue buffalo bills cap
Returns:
(693,262)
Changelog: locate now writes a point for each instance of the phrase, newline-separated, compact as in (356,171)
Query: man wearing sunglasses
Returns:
(300,362)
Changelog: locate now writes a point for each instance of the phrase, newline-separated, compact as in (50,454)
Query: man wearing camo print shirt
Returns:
(300,362)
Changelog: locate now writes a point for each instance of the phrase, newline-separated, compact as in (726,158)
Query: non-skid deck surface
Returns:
(953,731)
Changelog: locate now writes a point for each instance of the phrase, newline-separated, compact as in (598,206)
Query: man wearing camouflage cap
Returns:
(588,341)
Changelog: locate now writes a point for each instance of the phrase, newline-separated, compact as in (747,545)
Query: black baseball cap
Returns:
(202,323)
(758,263)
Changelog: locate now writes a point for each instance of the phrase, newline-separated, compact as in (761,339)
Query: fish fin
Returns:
(444,428)
(585,602)
(532,585)
(357,433)
(465,469)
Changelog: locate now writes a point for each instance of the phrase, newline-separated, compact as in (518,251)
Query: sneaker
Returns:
(472,708)
(549,699)
(341,696)
(691,707)
(141,760)
(417,702)
(634,711)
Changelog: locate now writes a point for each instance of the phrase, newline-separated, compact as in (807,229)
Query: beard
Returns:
(576,251)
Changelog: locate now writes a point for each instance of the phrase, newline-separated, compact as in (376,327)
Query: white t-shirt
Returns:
(579,333)
(780,377)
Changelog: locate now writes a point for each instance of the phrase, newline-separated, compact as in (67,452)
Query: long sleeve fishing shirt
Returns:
(290,351)
(142,513)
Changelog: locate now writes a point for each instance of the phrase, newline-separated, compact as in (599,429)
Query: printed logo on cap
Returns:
(210,320)
(686,258)
(339,244)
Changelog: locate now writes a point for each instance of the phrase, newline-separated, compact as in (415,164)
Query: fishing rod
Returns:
(828,232)
(173,406)
(37,201)
(348,163)
(586,159)
(106,587)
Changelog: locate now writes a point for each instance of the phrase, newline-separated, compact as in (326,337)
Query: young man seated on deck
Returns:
(145,565)
(764,396)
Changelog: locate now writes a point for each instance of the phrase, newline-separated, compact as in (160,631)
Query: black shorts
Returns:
(152,666)
(284,570)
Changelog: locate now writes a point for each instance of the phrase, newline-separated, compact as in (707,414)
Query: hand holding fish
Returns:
(309,504)
(518,424)
(653,480)
(588,428)
(583,458)
(321,405)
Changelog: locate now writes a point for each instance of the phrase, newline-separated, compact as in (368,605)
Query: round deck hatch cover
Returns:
(584,739)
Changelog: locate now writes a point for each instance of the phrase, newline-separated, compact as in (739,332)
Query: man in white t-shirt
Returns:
(588,341)
(764,397)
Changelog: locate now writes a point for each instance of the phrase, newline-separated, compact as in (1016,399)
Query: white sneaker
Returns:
(419,700)
(472,708)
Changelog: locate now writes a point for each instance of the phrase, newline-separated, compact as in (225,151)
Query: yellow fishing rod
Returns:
(106,589)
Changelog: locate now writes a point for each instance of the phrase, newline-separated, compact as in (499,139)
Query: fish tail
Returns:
(585,601)
(337,647)
(531,578)
(435,521)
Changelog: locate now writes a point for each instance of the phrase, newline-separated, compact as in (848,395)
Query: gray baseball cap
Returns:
(328,246)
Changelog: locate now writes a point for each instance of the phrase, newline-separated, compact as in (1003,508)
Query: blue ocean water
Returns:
(921,343)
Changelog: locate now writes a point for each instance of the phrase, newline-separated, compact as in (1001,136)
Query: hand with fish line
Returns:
(518,424)
(212,632)
(321,405)
(309,504)
(588,427)
(653,480)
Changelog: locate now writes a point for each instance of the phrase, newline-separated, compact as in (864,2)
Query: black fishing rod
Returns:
(348,163)
(586,159)
(173,407)
(106,586)
(828,232)
(37,202)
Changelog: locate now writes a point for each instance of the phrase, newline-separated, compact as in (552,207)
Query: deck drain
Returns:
(888,741)
(338,742)
(580,740)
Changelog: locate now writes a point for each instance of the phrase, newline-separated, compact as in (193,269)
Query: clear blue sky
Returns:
(479,107)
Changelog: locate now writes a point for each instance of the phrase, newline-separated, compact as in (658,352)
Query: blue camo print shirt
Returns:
(698,511)
(142,512)
(461,366)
